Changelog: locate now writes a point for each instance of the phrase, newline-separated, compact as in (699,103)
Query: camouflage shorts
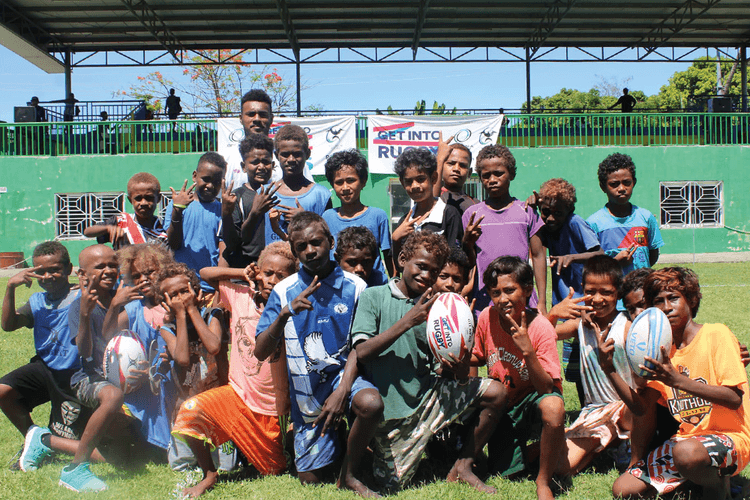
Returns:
(399,443)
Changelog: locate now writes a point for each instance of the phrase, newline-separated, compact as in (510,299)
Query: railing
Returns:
(518,131)
(91,110)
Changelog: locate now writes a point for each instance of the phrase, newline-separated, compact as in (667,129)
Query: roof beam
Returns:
(286,20)
(555,13)
(29,40)
(153,23)
(421,17)
(683,15)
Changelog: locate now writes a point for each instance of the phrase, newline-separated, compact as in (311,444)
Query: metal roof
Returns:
(297,30)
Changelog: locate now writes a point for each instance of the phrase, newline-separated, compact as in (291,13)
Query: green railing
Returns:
(518,131)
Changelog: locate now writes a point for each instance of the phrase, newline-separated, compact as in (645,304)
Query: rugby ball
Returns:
(124,353)
(450,326)
(649,332)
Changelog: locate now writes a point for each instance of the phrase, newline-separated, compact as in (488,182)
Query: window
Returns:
(74,212)
(691,204)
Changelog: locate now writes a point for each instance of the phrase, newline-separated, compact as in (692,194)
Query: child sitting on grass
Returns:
(518,345)
(356,251)
(347,173)
(144,193)
(704,385)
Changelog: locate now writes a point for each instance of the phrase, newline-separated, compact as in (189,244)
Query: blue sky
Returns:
(359,86)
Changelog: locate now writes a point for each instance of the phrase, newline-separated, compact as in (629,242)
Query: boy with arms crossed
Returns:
(312,312)
(390,339)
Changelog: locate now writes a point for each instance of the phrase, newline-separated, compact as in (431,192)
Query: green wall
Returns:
(28,206)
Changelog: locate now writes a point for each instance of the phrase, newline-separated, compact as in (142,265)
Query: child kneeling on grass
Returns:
(704,385)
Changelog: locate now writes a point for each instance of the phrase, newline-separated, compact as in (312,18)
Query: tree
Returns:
(211,87)
(687,89)
(570,100)
(421,109)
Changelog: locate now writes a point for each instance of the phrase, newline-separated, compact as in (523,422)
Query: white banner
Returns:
(389,135)
(327,134)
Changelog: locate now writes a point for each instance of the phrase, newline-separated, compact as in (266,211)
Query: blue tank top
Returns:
(52,333)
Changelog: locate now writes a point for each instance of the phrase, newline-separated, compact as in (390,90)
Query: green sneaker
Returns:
(34,451)
(79,478)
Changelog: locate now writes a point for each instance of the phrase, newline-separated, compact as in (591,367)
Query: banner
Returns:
(327,134)
(389,135)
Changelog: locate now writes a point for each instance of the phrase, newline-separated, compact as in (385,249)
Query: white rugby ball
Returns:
(450,326)
(124,353)
(649,332)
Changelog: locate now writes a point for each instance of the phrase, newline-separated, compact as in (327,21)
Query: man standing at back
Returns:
(256,116)
(626,101)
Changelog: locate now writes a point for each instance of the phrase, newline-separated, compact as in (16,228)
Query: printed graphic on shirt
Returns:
(516,363)
(690,409)
(637,236)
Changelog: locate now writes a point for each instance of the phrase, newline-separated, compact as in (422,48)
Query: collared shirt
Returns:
(442,219)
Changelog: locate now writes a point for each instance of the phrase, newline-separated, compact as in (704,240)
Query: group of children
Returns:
(269,315)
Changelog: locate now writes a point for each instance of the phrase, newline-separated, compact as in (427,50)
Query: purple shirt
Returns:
(504,232)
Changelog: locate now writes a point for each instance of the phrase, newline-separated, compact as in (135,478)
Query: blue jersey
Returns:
(315,200)
(317,341)
(619,233)
(376,221)
(201,227)
(575,237)
(52,332)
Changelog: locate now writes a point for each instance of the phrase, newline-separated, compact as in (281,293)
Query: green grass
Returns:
(724,301)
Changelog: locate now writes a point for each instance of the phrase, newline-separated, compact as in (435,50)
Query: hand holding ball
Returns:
(649,332)
(124,353)
(450,327)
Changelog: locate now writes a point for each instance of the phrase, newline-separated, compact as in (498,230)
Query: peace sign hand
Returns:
(473,230)
(419,312)
(606,348)
(290,212)
(89,294)
(627,254)
(407,227)
(569,307)
(183,197)
(520,334)
(228,200)
(265,200)
(25,277)
(301,301)
(443,149)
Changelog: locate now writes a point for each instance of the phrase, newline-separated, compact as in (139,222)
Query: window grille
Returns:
(691,204)
(74,212)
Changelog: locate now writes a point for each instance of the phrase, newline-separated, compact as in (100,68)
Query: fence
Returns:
(518,131)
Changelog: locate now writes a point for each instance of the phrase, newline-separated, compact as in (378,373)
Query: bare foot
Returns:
(357,486)
(544,492)
(461,472)
(208,482)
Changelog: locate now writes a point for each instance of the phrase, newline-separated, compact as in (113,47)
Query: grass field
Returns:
(724,300)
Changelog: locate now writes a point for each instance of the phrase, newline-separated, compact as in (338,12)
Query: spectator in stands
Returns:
(626,101)
(71,109)
(173,107)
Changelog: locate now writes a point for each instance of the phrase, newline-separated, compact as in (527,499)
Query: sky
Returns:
(359,86)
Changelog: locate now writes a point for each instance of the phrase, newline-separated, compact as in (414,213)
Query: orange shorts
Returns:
(219,415)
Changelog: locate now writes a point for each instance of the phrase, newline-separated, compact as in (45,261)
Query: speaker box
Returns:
(24,114)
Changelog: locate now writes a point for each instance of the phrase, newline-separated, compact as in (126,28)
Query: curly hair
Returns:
(305,219)
(255,141)
(291,133)
(356,238)
(677,279)
(558,190)
(256,95)
(213,158)
(420,158)
(144,178)
(434,244)
(350,157)
(497,151)
(460,259)
(511,265)
(613,163)
(128,256)
(460,147)
(52,248)
(282,249)
(634,280)
(176,269)
(603,265)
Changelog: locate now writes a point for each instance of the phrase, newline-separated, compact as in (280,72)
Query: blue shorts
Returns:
(313,451)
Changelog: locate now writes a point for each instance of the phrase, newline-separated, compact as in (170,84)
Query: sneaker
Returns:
(79,478)
(34,451)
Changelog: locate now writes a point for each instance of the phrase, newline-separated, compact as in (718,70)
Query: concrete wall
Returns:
(27,208)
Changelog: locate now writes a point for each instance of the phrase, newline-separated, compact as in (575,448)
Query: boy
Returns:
(503,225)
(92,324)
(704,385)
(626,232)
(390,340)
(355,252)
(454,276)
(454,168)
(144,193)
(193,228)
(417,171)
(604,420)
(312,311)
(347,173)
(47,375)
(296,193)
(518,345)
(244,209)
(256,117)
(248,409)
(571,242)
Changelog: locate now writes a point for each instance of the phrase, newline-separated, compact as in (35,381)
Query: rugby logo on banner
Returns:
(389,136)
(327,134)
